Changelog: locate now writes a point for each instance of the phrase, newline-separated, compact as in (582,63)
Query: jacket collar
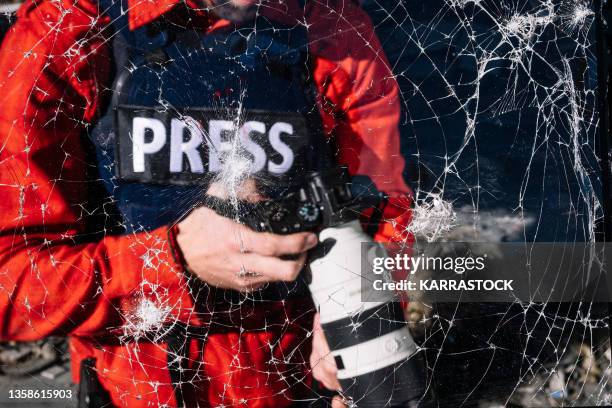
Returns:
(142,12)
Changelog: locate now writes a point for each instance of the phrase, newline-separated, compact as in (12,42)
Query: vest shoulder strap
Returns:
(143,39)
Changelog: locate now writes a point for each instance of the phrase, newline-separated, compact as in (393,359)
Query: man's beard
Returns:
(237,14)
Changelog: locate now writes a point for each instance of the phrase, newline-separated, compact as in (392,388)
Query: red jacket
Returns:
(54,83)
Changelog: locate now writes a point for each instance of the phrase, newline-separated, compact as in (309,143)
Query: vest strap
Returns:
(144,38)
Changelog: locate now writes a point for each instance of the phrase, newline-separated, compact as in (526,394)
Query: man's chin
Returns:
(245,3)
(236,11)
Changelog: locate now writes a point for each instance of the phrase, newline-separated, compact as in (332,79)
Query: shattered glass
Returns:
(499,130)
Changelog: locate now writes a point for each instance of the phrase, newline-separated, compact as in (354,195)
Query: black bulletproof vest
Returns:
(176,83)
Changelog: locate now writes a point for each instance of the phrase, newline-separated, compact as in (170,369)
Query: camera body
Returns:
(377,359)
(324,200)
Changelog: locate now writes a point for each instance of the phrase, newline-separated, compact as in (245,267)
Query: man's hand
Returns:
(229,255)
(323,366)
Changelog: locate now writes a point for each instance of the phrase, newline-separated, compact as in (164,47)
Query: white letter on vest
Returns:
(215,131)
(139,147)
(259,154)
(178,147)
(281,147)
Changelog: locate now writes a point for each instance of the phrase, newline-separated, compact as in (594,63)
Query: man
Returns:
(60,275)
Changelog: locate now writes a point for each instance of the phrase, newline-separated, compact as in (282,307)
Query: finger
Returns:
(338,402)
(316,322)
(324,368)
(264,243)
(270,268)
(246,190)
(325,374)
(321,360)
(246,285)
(325,377)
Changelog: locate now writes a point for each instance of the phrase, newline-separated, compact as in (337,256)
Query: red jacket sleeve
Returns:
(54,63)
(361,104)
